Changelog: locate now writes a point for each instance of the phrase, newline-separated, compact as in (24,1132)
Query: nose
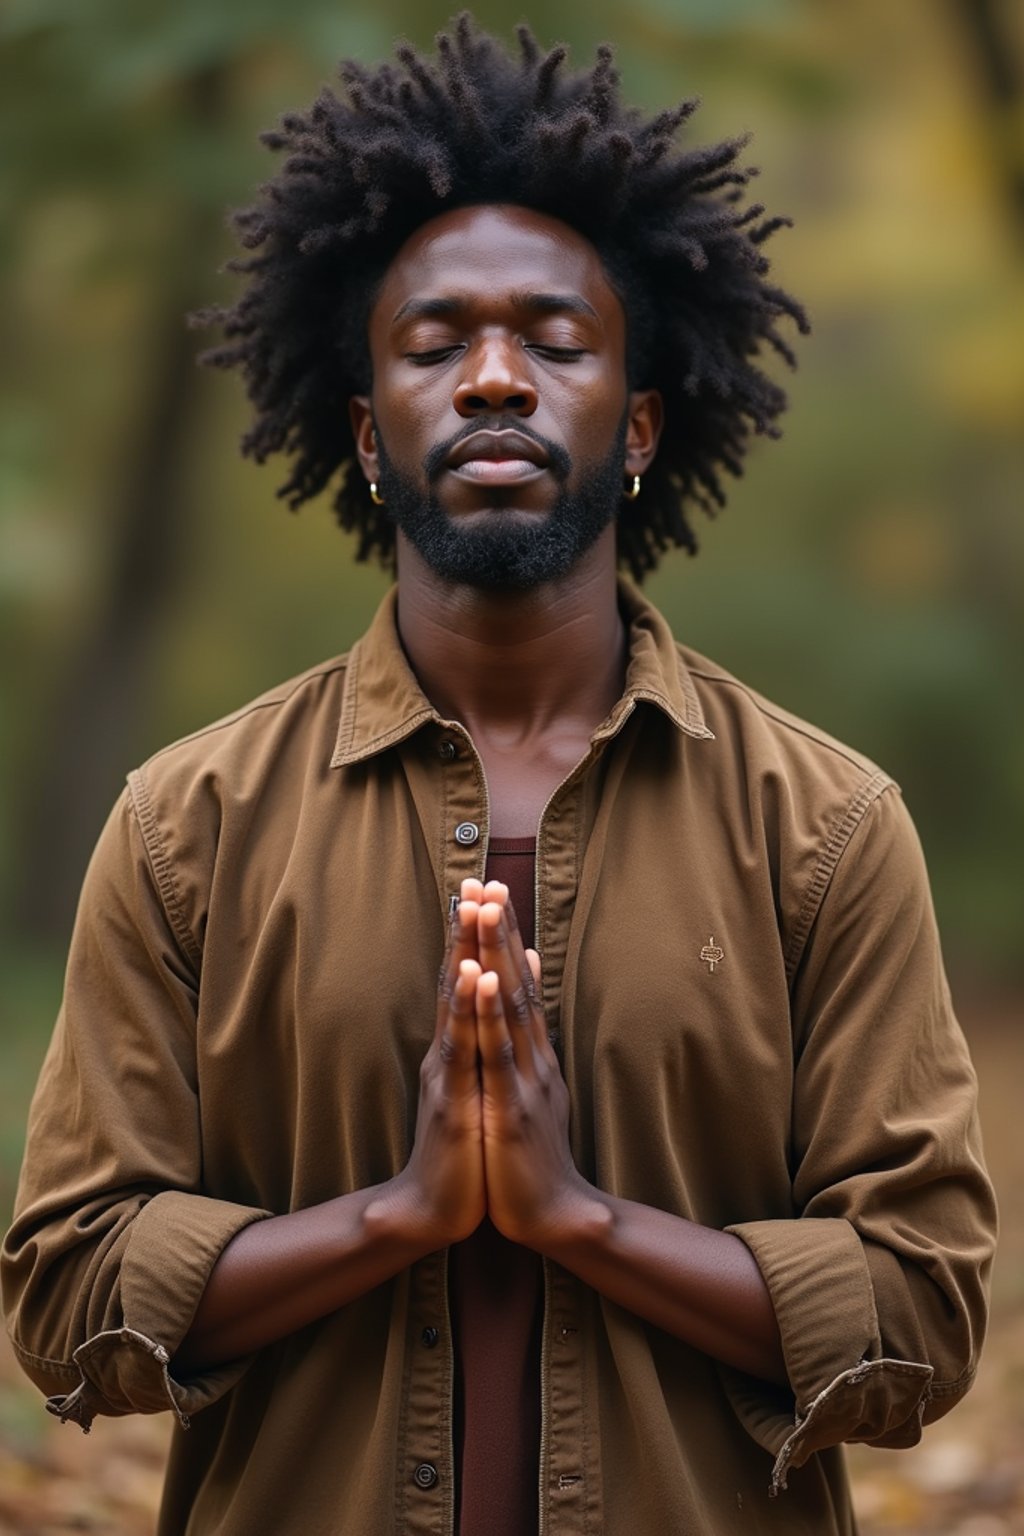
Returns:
(495,377)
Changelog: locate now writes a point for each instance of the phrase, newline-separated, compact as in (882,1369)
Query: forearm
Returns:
(699,1284)
(277,1275)
(282,1273)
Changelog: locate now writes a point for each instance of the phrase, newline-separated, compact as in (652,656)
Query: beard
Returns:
(508,554)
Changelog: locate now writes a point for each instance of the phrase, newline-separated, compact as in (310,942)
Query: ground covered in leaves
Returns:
(966,1478)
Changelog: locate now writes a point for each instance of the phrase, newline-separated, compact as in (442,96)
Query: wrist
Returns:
(396,1216)
(580,1222)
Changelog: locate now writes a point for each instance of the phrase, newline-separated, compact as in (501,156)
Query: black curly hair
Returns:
(477,125)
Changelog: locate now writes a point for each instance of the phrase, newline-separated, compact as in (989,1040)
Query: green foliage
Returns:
(866,573)
(30,996)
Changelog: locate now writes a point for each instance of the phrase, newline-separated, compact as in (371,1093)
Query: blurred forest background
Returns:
(867,572)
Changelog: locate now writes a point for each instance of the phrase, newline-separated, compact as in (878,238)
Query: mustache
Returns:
(559,461)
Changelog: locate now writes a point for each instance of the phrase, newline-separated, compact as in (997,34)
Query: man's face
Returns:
(500,427)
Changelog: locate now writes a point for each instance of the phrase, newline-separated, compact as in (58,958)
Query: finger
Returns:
(497,1050)
(462,945)
(498,928)
(538,1018)
(530,981)
(458,1042)
(515,944)
(471,890)
(513,939)
(539,1023)
(501,951)
(496,890)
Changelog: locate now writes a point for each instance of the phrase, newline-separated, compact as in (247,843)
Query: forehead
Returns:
(490,250)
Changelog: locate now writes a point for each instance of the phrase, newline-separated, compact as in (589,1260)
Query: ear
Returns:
(643,429)
(360,414)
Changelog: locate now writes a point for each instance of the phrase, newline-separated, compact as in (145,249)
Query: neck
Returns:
(512,666)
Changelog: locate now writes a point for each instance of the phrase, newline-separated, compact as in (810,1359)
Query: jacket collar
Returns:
(383,703)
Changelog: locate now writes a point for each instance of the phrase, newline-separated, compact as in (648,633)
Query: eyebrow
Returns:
(537,303)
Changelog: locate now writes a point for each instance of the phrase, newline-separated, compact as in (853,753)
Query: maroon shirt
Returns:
(497,1300)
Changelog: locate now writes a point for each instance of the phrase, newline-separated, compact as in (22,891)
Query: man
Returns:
(672,1184)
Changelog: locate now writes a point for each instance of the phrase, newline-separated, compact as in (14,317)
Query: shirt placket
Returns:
(466,814)
(443,768)
(569,1482)
(426,1493)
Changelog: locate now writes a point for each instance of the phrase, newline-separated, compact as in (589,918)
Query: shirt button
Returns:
(446,750)
(425,1475)
(467,833)
(429,1337)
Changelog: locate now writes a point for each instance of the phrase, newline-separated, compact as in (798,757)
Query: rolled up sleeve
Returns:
(114,1238)
(879,1282)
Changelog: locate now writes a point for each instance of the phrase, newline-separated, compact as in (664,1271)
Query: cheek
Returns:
(598,405)
(412,397)
(402,418)
(597,429)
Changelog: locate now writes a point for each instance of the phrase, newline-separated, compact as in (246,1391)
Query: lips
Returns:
(505,448)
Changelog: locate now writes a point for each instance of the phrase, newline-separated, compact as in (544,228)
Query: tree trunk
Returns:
(92,728)
(1001,74)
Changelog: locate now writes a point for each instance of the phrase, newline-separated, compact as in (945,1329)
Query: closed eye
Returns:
(544,349)
(435,355)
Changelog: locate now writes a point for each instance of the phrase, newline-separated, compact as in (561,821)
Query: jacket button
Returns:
(429,1337)
(446,750)
(425,1475)
(467,833)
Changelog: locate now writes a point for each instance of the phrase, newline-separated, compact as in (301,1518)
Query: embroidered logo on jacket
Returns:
(712,954)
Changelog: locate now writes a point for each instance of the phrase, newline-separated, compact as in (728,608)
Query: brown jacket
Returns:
(741,965)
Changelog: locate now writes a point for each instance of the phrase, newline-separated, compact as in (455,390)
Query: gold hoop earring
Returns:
(634,491)
(375,497)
